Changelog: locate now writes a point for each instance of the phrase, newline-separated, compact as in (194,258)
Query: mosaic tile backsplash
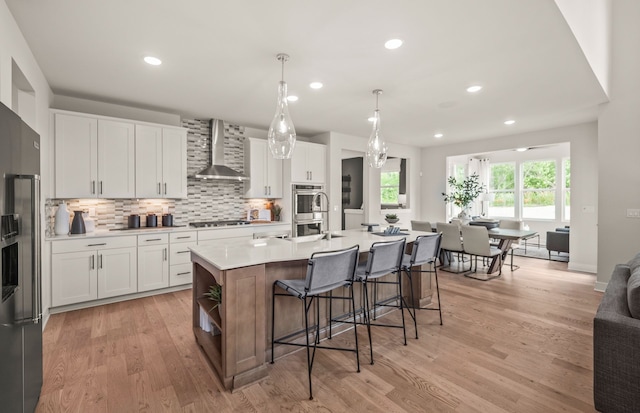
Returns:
(207,200)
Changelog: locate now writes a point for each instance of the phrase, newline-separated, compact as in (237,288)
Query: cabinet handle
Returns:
(164,254)
(93,262)
(307,175)
(187,237)
(100,187)
(96,245)
(165,188)
(93,187)
(153,239)
(99,261)
(183,273)
(182,252)
(158,188)
(269,189)
(311,175)
(265,190)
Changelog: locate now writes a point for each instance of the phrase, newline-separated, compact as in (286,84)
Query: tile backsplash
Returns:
(206,199)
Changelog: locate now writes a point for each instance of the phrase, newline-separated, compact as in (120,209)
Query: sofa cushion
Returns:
(634,263)
(633,294)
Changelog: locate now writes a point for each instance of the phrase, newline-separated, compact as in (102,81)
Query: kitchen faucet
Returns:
(313,202)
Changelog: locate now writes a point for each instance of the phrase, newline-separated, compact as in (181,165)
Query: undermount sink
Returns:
(312,238)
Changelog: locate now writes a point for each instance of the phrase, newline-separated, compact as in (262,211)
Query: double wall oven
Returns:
(309,210)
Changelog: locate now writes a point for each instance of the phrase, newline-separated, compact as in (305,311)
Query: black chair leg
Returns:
(438,293)
(413,301)
(331,313)
(367,320)
(273,317)
(355,331)
(404,328)
(309,359)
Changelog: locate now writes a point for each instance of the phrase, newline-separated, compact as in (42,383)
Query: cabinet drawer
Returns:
(92,244)
(190,236)
(180,274)
(180,253)
(152,239)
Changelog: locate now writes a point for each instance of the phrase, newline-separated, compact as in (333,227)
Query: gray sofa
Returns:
(558,240)
(616,342)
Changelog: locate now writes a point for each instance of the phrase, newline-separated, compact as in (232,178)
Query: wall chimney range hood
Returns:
(217,169)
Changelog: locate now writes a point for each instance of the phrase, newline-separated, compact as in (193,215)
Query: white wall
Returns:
(619,145)
(584,181)
(14,48)
(339,142)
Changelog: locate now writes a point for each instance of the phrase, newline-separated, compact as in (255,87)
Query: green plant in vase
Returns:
(463,193)
(391,218)
(214,294)
(277,210)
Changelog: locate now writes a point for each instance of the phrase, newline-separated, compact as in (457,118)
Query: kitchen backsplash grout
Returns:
(207,200)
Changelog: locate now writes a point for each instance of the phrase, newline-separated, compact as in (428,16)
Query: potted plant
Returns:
(214,294)
(276,210)
(391,218)
(463,193)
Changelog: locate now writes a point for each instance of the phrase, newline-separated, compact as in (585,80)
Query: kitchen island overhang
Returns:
(237,341)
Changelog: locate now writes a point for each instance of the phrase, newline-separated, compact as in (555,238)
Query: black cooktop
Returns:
(206,224)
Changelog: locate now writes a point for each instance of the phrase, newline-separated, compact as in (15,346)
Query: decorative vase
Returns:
(392,220)
(77,225)
(62,220)
(464,214)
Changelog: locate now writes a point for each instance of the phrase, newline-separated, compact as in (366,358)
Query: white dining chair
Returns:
(476,243)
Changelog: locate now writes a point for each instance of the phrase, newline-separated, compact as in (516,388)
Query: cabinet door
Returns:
(174,163)
(73,278)
(148,161)
(299,167)
(153,267)
(274,176)
(76,156)
(316,161)
(117,272)
(116,159)
(256,168)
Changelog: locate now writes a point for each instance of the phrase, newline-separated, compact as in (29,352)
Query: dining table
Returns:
(506,237)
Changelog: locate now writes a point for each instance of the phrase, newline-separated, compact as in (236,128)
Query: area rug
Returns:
(541,253)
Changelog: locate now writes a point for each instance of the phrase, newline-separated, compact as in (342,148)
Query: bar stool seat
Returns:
(384,258)
(326,271)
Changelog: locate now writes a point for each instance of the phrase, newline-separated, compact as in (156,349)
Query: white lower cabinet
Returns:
(89,269)
(153,262)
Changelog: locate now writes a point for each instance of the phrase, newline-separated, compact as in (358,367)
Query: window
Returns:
(502,190)
(539,189)
(389,187)
(566,166)
(393,183)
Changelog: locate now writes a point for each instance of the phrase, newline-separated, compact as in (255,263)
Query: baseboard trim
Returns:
(600,286)
(576,266)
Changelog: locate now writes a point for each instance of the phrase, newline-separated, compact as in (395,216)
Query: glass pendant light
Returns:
(282,134)
(376,147)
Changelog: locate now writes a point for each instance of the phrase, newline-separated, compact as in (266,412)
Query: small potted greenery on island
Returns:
(463,193)
(276,210)
(391,218)
(214,294)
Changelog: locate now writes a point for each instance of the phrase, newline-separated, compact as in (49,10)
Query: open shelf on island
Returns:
(212,313)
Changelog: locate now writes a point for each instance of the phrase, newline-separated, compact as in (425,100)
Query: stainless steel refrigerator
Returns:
(20,308)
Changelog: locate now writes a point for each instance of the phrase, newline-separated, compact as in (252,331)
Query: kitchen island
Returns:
(235,336)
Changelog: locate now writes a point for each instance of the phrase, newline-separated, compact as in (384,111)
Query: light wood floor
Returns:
(520,343)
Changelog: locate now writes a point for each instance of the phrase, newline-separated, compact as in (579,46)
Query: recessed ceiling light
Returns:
(154,61)
(315,85)
(438,135)
(522,149)
(393,44)
(509,122)
(292,98)
(474,89)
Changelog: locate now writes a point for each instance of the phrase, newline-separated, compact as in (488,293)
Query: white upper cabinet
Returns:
(308,163)
(265,171)
(76,156)
(161,162)
(99,157)
(94,158)
(116,160)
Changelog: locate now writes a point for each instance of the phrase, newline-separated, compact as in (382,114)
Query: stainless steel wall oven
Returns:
(308,207)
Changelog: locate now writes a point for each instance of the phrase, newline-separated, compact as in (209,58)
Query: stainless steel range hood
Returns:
(217,169)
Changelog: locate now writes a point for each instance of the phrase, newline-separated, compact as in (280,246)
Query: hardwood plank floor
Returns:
(519,343)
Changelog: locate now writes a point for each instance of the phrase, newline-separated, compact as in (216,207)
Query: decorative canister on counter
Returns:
(152,220)
(134,221)
(167,220)
(62,220)
(77,225)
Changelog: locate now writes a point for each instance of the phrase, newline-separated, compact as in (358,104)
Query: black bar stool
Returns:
(326,271)
(426,249)
(384,258)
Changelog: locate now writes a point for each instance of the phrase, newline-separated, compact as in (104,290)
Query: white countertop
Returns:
(158,230)
(242,252)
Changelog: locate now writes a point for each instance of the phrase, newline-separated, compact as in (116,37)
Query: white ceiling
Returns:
(219,61)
